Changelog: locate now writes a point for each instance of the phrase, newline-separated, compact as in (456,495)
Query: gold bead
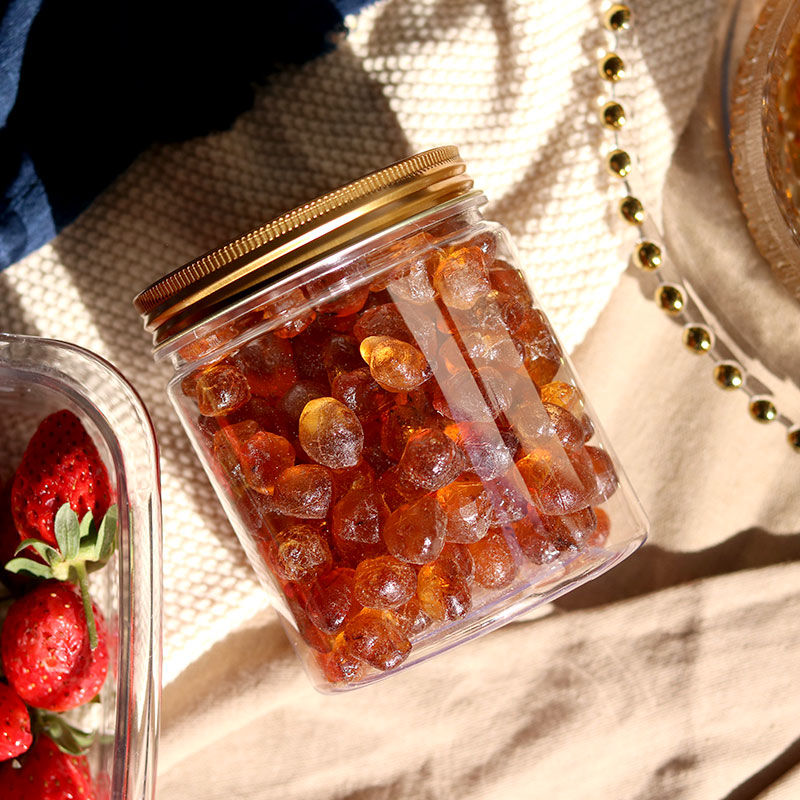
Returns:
(619,163)
(617,18)
(697,339)
(762,409)
(669,298)
(648,256)
(613,116)
(632,210)
(793,437)
(728,376)
(612,67)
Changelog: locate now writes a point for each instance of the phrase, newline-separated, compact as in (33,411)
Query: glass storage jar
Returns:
(390,422)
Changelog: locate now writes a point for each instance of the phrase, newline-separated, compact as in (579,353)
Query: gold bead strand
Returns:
(672,294)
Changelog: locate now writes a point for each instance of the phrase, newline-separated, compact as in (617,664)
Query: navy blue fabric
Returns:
(86,86)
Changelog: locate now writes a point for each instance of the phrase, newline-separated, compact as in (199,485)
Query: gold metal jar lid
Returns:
(356,211)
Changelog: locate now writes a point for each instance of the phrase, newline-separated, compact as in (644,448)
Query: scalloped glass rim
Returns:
(50,373)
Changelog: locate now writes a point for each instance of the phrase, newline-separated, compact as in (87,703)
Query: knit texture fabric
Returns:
(514,84)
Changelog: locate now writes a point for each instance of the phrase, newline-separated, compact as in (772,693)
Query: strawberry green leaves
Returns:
(81,546)
(69,739)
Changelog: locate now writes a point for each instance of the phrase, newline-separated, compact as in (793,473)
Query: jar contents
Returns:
(404,451)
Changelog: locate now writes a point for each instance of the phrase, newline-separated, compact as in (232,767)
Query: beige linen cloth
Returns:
(675,675)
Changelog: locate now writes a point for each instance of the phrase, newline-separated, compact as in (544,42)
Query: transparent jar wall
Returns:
(451,474)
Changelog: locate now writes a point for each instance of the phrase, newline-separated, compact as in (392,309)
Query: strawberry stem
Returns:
(80,569)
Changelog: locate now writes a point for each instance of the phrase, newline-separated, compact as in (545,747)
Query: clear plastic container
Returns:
(37,378)
(390,423)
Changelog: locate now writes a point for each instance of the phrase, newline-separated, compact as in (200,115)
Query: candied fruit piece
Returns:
(268,364)
(557,484)
(461,277)
(443,591)
(471,396)
(263,456)
(431,459)
(341,354)
(468,509)
(360,393)
(286,305)
(601,532)
(302,393)
(330,599)
(605,476)
(360,516)
(398,423)
(220,390)
(304,491)
(535,542)
(384,582)
(395,365)
(415,532)
(411,617)
(300,553)
(509,280)
(339,666)
(562,394)
(330,433)
(488,454)
(495,566)
(373,637)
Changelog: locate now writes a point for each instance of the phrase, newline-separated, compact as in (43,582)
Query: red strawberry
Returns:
(45,773)
(44,645)
(15,724)
(60,465)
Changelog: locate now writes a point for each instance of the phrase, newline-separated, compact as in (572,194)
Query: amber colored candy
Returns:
(395,365)
(415,532)
(459,558)
(488,454)
(373,637)
(384,582)
(540,351)
(360,393)
(347,303)
(304,491)
(361,476)
(443,591)
(220,390)
(189,383)
(605,476)
(507,279)
(268,364)
(360,516)
(411,617)
(330,433)
(571,529)
(211,341)
(431,459)
(383,320)
(567,429)
(285,305)
(602,531)
(295,598)
(397,490)
(557,484)
(265,415)
(228,443)
(339,666)
(468,509)
(208,427)
(510,498)
(397,424)
(412,258)
(562,394)
(263,457)
(535,542)
(473,395)
(588,427)
(341,354)
(330,599)
(486,242)
(307,348)
(495,566)
(530,422)
(303,392)
(461,277)
(300,553)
